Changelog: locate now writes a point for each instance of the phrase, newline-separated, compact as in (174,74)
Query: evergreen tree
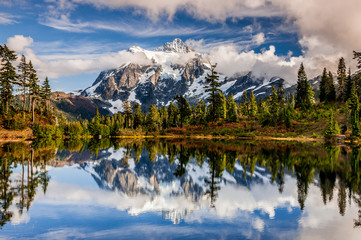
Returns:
(213,88)
(341,78)
(355,111)
(34,89)
(23,69)
(274,105)
(289,113)
(244,103)
(331,91)
(8,76)
(128,114)
(97,117)
(311,94)
(163,113)
(231,109)
(281,94)
(293,101)
(46,93)
(200,112)
(184,109)
(357,56)
(138,116)
(303,100)
(252,105)
(172,115)
(349,84)
(221,109)
(323,86)
(153,120)
(332,126)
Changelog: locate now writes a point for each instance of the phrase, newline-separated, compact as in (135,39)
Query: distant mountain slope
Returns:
(75,107)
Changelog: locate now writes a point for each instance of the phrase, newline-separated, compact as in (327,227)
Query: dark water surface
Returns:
(179,189)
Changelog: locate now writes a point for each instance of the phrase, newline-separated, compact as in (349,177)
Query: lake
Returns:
(179,189)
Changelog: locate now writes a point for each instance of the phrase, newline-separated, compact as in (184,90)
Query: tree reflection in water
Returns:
(331,168)
(21,190)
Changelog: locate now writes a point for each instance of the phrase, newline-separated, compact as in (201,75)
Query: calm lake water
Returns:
(179,189)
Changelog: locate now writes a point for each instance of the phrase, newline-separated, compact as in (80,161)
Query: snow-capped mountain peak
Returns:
(177,45)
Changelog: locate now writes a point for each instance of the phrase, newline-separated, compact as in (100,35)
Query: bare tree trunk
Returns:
(30,99)
(33,107)
(32,163)
(24,104)
(7,107)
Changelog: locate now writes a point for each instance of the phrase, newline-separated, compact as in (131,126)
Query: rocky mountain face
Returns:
(175,69)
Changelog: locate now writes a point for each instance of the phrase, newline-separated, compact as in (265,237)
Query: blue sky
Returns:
(71,41)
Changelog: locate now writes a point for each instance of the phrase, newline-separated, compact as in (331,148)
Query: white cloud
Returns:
(7,18)
(74,65)
(19,42)
(63,23)
(259,38)
(134,29)
(232,59)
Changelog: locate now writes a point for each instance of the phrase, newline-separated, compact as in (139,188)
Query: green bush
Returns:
(73,129)
(46,131)
(98,129)
(16,122)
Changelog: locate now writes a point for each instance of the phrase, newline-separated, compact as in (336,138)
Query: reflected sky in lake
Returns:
(181,190)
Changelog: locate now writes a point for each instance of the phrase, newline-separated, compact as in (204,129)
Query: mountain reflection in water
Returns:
(264,186)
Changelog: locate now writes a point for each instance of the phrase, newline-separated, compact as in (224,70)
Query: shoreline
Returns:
(199,137)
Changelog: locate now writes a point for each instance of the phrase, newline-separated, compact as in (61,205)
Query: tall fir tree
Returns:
(323,86)
(8,76)
(221,106)
(357,56)
(281,94)
(330,88)
(349,84)
(303,100)
(138,116)
(184,109)
(34,89)
(244,103)
(231,114)
(212,86)
(252,105)
(153,119)
(172,115)
(46,94)
(355,113)
(24,75)
(163,112)
(341,79)
(274,105)
(200,112)
(128,114)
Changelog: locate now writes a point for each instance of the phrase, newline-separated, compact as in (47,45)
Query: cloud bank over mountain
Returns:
(240,35)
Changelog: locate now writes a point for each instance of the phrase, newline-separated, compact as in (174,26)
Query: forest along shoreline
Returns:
(329,112)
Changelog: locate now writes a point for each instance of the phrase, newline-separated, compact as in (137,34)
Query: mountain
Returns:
(173,68)
(74,107)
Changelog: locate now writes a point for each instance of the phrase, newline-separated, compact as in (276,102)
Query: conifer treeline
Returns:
(22,78)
